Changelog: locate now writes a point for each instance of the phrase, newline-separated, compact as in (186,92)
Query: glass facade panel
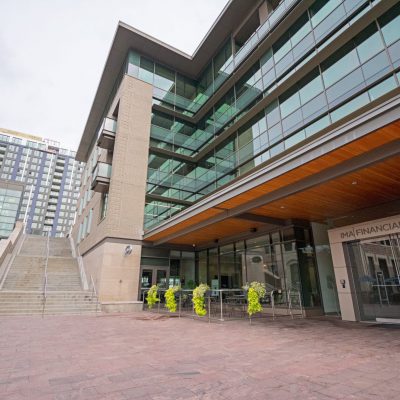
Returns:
(339,65)
(340,85)
(375,269)
(389,24)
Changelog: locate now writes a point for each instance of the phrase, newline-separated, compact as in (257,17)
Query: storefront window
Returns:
(202,266)
(231,271)
(213,275)
(187,270)
(375,268)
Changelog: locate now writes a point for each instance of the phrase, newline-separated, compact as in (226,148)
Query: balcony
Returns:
(106,136)
(101,177)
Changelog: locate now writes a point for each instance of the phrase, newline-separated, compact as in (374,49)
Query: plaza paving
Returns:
(143,356)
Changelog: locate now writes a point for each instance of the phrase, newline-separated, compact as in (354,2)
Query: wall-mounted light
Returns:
(128,250)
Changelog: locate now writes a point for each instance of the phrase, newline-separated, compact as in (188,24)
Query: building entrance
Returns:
(375,268)
(153,276)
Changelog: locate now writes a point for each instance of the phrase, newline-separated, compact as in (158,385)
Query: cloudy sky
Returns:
(52,53)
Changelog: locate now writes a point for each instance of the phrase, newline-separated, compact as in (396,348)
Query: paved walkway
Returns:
(142,356)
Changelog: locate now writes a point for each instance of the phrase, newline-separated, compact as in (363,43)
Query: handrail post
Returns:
(180,303)
(290,303)
(301,304)
(273,305)
(94,293)
(209,309)
(221,305)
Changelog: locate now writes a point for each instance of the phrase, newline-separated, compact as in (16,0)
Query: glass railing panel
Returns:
(102,170)
(110,125)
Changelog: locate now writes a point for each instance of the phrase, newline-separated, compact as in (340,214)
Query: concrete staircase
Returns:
(22,291)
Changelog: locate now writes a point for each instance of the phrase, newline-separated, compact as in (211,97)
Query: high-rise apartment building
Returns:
(271,154)
(51,177)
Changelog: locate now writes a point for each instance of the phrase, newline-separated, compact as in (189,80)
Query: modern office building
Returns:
(51,179)
(270,154)
(10,205)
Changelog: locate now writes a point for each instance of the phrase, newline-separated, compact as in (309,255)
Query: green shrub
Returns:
(198,299)
(170,301)
(255,292)
(151,297)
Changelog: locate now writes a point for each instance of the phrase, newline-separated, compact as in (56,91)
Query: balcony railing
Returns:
(106,135)
(101,177)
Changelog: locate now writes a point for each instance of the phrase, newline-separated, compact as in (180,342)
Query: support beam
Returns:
(262,218)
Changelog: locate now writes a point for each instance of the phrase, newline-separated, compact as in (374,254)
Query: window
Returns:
(289,102)
(164,78)
(104,205)
(89,224)
(368,43)
(310,86)
(390,23)
(339,64)
(80,233)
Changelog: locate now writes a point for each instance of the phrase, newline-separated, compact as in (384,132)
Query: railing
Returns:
(231,304)
(102,170)
(9,248)
(94,293)
(108,124)
(76,254)
(45,274)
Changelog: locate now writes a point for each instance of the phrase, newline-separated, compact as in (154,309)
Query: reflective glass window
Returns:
(321,9)
(300,29)
(339,64)
(310,86)
(368,43)
(164,78)
(282,46)
(272,113)
(390,23)
(289,102)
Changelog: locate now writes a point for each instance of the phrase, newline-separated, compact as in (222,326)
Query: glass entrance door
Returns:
(375,267)
(153,276)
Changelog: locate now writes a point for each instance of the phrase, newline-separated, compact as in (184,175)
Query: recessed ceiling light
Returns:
(282,207)
(354,183)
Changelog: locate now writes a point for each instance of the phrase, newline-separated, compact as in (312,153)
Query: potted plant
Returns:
(255,292)
(170,301)
(198,299)
(151,297)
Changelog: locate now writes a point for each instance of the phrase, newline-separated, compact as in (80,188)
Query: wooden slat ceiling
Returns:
(375,185)
(368,143)
(379,184)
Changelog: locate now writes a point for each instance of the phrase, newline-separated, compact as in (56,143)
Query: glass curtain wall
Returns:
(281,260)
(358,73)
(374,266)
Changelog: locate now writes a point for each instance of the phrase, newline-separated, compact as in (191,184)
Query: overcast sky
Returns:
(52,53)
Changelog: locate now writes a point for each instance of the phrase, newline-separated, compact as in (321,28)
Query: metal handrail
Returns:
(45,274)
(94,292)
(221,308)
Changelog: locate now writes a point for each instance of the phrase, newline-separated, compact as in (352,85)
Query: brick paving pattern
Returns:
(145,356)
